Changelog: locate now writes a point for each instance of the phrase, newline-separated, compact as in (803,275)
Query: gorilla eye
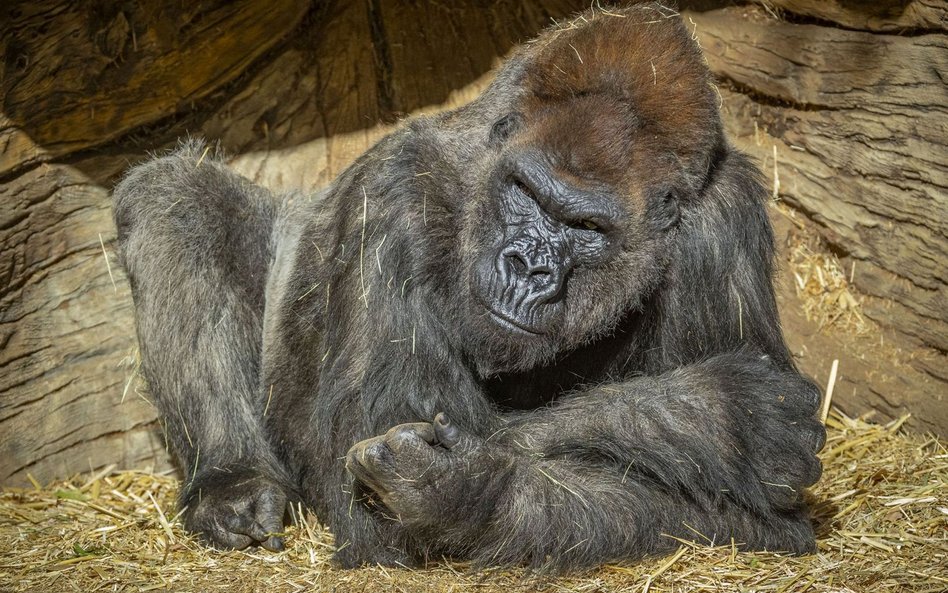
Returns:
(504,127)
(524,189)
(586,225)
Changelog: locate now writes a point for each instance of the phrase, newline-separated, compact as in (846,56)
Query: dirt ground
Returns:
(881,373)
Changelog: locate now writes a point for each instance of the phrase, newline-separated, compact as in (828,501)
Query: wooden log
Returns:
(860,122)
(83,73)
(70,401)
(380,61)
(893,16)
(322,106)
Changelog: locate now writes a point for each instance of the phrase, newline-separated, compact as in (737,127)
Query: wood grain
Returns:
(69,399)
(79,74)
(860,123)
(892,16)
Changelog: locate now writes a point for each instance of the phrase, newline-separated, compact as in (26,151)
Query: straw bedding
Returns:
(881,512)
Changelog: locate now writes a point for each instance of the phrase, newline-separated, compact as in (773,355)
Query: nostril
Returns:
(516,261)
(541,275)
(520,266)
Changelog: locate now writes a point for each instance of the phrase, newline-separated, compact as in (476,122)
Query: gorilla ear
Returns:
(503,128)
(664,209)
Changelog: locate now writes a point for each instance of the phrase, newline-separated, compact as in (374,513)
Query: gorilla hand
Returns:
(775,421)
(430,475)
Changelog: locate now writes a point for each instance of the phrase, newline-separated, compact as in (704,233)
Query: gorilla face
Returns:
(564,248)
(574,187)
(547,229)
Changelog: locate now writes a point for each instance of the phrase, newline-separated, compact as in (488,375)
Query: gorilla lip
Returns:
(503,320)
(507,323)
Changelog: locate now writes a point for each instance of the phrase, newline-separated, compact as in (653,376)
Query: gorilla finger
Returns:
(817,437)
(811,397)
(258,532)
(236,523)
(780,495)
(411,434)
(812,471)
(270,508)
(275,543)
(269,513)
(446,434)
(370,451)
(370,461)
(267,537)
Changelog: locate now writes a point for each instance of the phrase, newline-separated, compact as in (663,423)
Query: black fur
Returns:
(300,347)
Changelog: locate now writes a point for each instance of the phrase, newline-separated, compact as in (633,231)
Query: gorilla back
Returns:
(538,330)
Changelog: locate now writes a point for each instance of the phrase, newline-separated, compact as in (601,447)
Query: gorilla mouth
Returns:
(483,288)
(507,322)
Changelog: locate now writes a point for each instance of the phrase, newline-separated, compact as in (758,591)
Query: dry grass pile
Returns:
(825,290)
(881,510)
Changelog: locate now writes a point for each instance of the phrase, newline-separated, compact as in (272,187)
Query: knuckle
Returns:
(378,453)
(812,395)
(814,471)
(817,438)
(369,455)
(402,435)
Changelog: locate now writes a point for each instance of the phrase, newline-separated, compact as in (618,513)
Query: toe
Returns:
(222,537)
(274,544)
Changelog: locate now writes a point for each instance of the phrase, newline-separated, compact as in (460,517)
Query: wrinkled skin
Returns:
(536,330)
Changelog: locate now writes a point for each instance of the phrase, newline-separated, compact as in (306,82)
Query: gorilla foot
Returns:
(236,509)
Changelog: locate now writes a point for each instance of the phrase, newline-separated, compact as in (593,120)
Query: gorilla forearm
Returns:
(513,505)
(734,426)
(722,448)
(567,514)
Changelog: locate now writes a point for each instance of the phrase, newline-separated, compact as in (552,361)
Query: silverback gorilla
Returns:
(539,329)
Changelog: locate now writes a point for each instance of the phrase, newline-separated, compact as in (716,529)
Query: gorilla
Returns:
(538,330)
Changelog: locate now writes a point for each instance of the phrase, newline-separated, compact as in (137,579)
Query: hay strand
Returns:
(830,385)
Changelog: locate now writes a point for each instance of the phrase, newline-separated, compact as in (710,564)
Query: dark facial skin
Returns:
(549,228)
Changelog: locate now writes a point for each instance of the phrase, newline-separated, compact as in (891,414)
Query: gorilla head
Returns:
(583,185)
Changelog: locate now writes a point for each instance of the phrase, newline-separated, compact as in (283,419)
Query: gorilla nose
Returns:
(535,276)
(525,268)
(539,273)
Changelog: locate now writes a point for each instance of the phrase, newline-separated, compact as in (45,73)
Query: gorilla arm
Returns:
(610,473)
